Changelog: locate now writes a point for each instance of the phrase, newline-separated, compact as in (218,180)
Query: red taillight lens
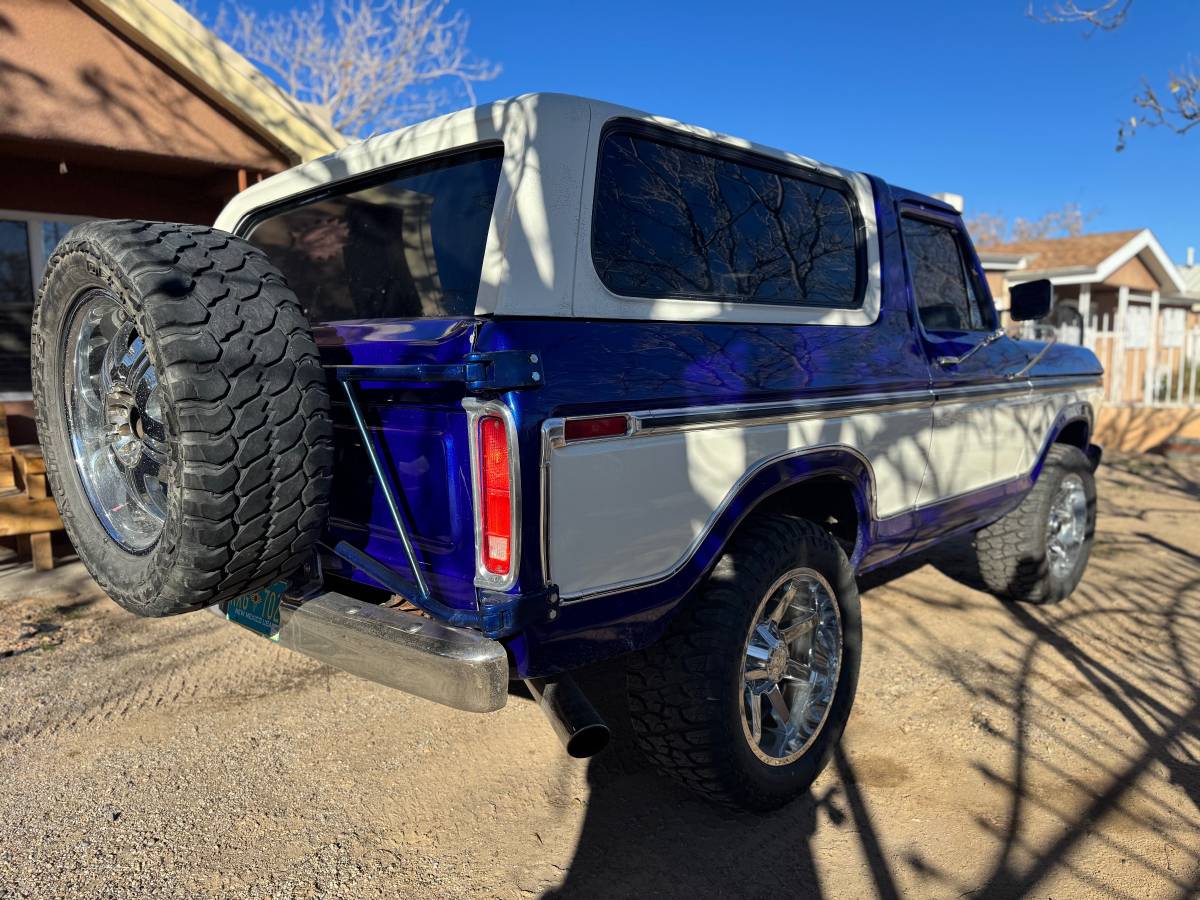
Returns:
(590,429)
(496,500)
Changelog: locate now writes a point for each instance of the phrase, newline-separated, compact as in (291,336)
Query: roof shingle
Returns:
(1061,253)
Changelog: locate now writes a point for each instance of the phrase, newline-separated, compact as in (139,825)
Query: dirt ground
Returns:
(995,751)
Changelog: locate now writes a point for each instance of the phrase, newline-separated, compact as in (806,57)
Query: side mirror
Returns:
(1030,300)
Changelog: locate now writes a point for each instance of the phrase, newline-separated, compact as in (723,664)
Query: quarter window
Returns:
(676,220)
(948,295)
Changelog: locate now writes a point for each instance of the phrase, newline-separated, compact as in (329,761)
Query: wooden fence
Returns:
(1147,365)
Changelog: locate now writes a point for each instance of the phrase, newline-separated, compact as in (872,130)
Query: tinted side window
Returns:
(677,221)
(948,298)
(405,248)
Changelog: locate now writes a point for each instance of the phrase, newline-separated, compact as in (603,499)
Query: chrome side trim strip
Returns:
(1066,382)
(1002,390)
(663,421)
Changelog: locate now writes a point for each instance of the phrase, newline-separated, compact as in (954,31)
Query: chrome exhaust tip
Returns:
(574,719)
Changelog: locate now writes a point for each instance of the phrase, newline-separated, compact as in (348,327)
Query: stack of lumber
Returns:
(27,511)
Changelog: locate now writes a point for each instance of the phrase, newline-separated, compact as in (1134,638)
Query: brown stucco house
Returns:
(113,108)
(1120,286)
(1095,275)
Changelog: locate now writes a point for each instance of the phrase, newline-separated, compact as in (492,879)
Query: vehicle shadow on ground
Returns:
(645,836)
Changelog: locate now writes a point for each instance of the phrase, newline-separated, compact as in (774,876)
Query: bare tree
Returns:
(990,229)
(1178,110)
(365,65)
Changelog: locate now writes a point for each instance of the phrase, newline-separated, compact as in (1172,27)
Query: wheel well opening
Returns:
(1074,433)
(828,500)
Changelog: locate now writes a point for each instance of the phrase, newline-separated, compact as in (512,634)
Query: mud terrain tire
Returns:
(1013,554)
(686,691)
(209,381)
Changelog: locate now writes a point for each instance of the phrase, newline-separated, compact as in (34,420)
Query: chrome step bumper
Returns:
(453,666)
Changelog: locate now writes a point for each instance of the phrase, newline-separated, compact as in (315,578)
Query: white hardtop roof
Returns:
(542,210)
(526,116)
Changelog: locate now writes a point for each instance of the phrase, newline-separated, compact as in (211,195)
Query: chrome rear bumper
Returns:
(453,666)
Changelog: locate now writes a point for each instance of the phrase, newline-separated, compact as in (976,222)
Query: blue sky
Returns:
(969,96)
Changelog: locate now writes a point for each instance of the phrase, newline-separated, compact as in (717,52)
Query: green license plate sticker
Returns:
(258,610)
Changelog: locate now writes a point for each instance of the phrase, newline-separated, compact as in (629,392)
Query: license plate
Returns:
(258,610)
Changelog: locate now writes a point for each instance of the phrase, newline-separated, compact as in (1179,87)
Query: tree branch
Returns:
(1107,16)
(1179,111)
(365,65)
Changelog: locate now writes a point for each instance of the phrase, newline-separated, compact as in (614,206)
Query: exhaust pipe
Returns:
(575,721)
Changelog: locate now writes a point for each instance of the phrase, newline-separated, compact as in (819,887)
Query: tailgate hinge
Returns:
(502,370)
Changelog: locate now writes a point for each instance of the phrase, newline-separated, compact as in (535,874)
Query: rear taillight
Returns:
(495,487)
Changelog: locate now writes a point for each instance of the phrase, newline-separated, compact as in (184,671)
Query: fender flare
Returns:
(1077,411)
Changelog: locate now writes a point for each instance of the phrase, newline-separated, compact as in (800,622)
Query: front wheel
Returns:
(1038,552)
(746,696)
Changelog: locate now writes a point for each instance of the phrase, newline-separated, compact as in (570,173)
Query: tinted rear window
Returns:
(676,220)
(407,247)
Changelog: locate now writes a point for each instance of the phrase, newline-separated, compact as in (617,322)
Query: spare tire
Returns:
(182,411)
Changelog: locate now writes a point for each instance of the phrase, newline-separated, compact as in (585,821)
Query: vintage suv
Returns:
(550,381)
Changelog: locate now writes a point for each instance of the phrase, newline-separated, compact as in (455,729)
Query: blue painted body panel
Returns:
(596,367)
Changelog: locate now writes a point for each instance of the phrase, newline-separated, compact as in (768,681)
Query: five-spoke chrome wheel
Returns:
(793,659)
(118,431)
(1066,528)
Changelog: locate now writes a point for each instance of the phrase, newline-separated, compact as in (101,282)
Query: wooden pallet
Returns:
(27,511)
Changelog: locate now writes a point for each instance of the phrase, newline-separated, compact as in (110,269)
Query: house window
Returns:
(1174,326)
(16,273)
(26,241)
(1137,327)
(52,235)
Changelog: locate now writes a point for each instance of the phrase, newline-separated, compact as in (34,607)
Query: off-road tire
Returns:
(243,395)
(1011,554)
(685,691)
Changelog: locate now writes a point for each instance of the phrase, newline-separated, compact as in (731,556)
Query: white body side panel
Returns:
(629,510)
(977,443)
(632,510)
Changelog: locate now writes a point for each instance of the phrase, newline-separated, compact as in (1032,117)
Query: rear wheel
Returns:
(746,696)
(182,412)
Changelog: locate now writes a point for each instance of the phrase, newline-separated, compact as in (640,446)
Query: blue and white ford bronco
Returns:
(548,382)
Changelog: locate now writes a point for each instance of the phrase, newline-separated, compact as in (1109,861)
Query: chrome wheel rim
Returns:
(1066,526)
(793,657)
(116,422)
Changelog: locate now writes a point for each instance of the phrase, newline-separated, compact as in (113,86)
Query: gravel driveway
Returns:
(995,751)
